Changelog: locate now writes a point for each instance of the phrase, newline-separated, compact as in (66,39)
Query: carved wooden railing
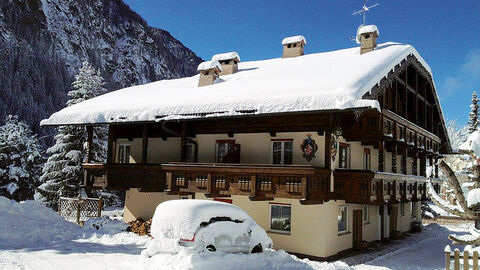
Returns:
(125,176)
(258,181)
(370,187)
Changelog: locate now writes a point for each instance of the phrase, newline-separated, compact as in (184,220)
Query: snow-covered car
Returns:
(205,226)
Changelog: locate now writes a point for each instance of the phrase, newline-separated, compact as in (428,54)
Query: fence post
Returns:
(466,257)
(59,204)
(78,210)
(100,205)
(475,260)
(447,257)
(456,262)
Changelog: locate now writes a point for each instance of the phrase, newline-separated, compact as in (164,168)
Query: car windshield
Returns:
(215,219)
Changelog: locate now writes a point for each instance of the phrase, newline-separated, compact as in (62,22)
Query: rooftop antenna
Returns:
(364,9)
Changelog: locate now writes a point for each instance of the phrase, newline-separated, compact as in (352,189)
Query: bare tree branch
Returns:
(453,181)
(443,204)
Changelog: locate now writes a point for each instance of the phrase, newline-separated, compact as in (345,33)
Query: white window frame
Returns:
(366,213)
(346,145)
(124,145)
(342,208)
(367,159)
(282,151)
(270,218)
(402,209)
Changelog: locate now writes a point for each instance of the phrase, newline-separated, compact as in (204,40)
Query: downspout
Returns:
(174,133)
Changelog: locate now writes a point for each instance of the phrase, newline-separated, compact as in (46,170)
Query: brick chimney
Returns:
(293,46)
(367,38)
(209,72)
(229,62)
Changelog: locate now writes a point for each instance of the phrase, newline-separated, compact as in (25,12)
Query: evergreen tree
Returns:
(473,117)
(20,160)
(62,173)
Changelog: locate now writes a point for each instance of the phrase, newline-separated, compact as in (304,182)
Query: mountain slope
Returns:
(44,42)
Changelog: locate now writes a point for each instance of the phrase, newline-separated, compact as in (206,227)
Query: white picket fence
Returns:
(457,260)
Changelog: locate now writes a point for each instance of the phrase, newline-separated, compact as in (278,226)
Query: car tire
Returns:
(211,248)
(257,249)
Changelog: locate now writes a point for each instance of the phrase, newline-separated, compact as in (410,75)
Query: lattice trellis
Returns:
(79,209)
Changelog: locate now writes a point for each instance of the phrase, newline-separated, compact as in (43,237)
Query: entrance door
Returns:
(357,228)
(393,219)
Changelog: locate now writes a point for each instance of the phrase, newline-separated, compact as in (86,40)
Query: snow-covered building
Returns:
(323,150)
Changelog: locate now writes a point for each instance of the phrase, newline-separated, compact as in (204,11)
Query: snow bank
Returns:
(105,225)
(294,39)
(209,65)
(270,259)
(226,56)
(334,80)
(177,219)
(30,221)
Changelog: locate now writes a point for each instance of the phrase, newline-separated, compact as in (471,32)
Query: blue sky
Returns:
(446,33)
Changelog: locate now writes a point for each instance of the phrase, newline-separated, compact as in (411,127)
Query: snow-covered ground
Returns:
(34,237)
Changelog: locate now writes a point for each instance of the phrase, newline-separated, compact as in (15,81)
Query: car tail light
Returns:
(188,240)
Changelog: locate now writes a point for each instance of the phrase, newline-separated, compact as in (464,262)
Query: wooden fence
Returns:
(79,209)
(457,260)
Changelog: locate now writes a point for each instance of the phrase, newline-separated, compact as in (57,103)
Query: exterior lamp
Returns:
(337,131)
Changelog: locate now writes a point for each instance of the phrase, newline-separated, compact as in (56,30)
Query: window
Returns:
(280,218)
(184,197)
(413,209)
(402,209)
(365,213)
(366,159)
(124,153)
(222,149)
(282,151)
(344,153)
(342,219)
(190,152)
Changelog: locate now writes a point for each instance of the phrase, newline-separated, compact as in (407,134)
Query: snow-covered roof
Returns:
(209,65)
(176,219)
(363,29)
(472,144)
(294,39)
(226,56)
(333,80)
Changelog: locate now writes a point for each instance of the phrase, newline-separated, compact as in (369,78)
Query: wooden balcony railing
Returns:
(370,187)
(125,176)
(258,181)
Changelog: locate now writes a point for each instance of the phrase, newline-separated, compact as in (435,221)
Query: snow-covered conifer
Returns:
(20,160)
(62,173)
(473,117)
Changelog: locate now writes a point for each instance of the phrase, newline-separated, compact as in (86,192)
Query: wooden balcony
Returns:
(311,185)
(370,187)
(148,178)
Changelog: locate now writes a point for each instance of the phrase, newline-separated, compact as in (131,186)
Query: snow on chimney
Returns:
(293,46)
(367,38)
(229,62)
(209,72)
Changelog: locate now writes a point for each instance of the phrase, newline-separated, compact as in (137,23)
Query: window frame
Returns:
(123,153)
(217,143)
(366,213)
(345,208)
(271,205)
(347,160)
(367,159)
(192,152)
(413,212)
(402,209)
(282,150)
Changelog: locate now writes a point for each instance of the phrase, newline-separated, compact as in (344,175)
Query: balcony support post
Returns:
(253,186)
(381,156)
(404,159)
(111,145)
(144,144)
(183,142)
(394,157)
(89,143)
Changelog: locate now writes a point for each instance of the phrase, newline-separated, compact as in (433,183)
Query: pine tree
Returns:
(20,160)
(473,117)
(62,173)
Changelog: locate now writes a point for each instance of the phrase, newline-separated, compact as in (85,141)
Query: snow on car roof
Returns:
(314,82)
(176,219)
